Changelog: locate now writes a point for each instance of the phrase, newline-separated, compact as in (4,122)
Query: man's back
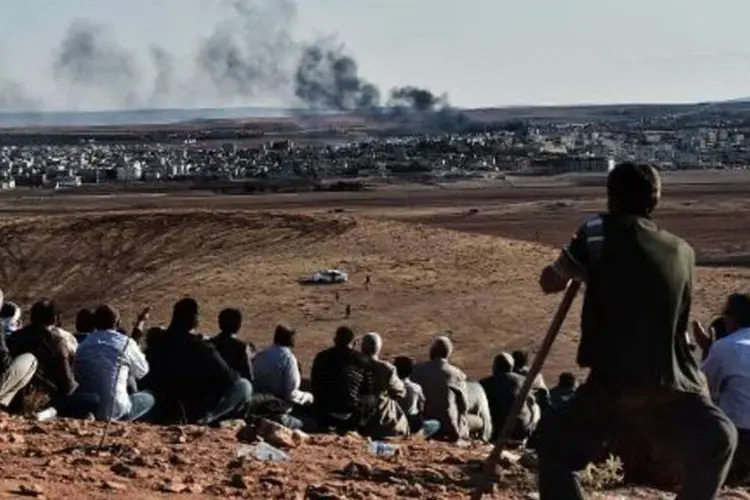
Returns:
(103,364)
(190,369)
(385,380)
(275,369)
(55,370)
(444,388)
(413,401)
(502,389)
(560,395)
(727,370)
(236,353)
(336,378)
(637,304)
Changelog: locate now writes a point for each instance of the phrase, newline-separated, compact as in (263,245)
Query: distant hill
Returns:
(138,116)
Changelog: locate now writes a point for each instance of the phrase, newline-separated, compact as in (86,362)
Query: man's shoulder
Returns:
(729,341)
(672,239)
(456,372)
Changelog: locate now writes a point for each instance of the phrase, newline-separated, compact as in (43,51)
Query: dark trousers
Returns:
(687,424)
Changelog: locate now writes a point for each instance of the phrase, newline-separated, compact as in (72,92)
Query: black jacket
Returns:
(187,368)
(337,380)
(235,353)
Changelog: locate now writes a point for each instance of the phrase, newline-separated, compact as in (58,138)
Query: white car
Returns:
(328,277)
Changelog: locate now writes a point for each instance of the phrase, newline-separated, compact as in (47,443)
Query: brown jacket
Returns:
(389,419)
(444,388)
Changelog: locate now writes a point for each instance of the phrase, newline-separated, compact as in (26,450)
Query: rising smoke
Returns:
(90,60)
(249,54)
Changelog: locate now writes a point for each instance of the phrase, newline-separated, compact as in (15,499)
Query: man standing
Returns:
(642,374)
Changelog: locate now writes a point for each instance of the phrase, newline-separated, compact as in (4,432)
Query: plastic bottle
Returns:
(382,449)
(44,415)
(430,428)
(262,451)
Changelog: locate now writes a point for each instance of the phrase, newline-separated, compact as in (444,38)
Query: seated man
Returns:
(188,372)
(727,369)
(276,370)
(53,383)
(563,391)
(503,387)
(478,416)
(15,373)
(539,388)
(413,401)
(337,380)
(237,354)
(388,419)
(444,388)
(106,359)
(644,383)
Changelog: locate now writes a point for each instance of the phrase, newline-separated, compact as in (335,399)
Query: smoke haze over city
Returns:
(338,55)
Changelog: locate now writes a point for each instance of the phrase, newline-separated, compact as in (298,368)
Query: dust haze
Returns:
(250,54)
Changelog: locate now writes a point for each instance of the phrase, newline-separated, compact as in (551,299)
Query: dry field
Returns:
(435,269)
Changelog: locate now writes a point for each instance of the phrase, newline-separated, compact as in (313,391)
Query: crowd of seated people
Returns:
(177,375)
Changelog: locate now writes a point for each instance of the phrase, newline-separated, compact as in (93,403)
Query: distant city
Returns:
(482,144)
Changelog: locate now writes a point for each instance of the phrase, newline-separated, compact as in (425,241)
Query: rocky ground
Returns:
(63,458)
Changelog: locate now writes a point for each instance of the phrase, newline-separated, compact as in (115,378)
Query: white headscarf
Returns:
(372,344)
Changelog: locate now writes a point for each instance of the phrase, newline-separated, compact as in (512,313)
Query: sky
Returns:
(482,53)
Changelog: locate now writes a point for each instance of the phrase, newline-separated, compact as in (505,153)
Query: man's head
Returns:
(372,344)
(43,313)
(85,321)
(633,189)
(737,312)
(106,318)
(10,317)
(404,366)
(441,348)
(503,364)
(185,315)
(344,337)
(230,321)
(719,327)
(567,380)
(520,359)
(284,336)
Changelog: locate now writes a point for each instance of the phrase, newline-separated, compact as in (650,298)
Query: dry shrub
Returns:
(603,475)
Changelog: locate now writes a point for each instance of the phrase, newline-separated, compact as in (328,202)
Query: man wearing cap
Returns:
(643,376)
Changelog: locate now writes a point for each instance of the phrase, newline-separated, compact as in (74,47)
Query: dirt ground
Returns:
(436,266)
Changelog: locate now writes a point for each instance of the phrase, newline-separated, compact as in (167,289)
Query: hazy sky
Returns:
(481,52)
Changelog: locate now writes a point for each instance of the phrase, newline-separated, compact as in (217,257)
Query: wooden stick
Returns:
(490,465)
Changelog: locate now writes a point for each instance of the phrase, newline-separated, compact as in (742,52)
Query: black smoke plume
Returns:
(416,99)
(250,53)
(328,79)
